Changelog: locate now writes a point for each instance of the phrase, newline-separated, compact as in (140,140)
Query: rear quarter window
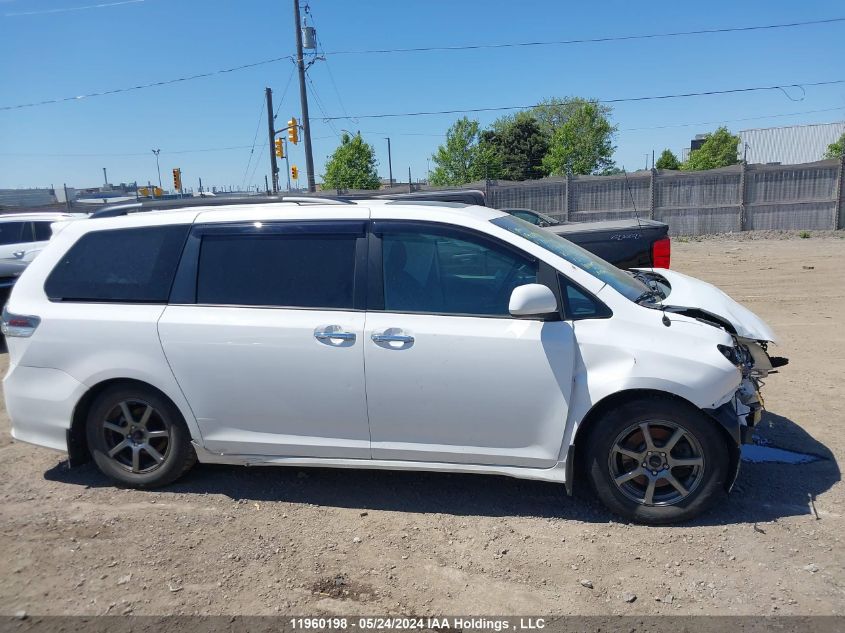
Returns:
(122,266)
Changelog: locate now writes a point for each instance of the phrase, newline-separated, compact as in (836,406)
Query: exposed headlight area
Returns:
(739,356)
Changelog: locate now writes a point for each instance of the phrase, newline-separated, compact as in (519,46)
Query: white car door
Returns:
(265,336)
(451,376)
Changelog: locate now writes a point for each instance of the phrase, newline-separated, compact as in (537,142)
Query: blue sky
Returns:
(48,49)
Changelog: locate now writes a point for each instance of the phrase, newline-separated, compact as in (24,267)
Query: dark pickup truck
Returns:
(629,243)
(632,243)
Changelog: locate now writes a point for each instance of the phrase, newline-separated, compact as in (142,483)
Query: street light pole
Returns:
(158,169)
(389,161)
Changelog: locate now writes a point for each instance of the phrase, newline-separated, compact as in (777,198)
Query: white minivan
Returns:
(380,334)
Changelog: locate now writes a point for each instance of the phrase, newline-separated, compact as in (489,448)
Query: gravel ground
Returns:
(228,540)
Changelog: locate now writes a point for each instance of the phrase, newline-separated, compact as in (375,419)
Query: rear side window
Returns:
(122,266)
(43,232)
(280,270)
(15,232)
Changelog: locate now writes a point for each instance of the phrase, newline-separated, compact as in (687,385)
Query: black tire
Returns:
(619,437)
(160,438)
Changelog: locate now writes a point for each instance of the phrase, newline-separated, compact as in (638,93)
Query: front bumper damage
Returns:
(739,415)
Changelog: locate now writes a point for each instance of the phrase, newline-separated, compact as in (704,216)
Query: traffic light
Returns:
(293,130)
(177,179)
(294,172)
(280,148)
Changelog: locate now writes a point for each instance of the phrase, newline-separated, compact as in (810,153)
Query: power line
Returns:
(254,140)
(592,40)
(152,84)
(425,49)
(705,93)
(125,155)
(748,118)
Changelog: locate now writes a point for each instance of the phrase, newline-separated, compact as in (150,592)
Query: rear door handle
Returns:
(392,338)
(333,333)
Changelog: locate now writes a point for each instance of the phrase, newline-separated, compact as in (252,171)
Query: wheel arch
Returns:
(77,442)
(577,472)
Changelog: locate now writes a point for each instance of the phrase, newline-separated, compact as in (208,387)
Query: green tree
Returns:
(518,146)
(581,144)
(550,114)
(719,150)
(835,150)
(463,157)
(352,165)
(668,160)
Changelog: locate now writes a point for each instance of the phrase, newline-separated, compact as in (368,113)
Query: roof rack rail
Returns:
(315,200)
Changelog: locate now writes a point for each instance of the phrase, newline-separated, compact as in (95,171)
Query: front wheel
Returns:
(657,461)
(138,437)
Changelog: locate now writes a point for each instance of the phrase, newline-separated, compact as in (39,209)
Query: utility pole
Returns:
(287,163)
(303,98)
(105,177)
(410,186)
(389,162)
(274,169)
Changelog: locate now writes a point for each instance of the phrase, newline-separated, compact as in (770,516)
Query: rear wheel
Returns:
(138,437)
(657,461)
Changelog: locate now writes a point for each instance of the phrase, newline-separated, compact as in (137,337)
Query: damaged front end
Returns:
(743,412)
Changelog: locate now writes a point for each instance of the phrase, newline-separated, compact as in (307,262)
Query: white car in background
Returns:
(24,235)
(380,334)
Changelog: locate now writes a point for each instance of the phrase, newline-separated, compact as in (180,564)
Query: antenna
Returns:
(631,194)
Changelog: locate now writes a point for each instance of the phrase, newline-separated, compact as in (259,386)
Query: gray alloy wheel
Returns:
(656,462)
(136,436)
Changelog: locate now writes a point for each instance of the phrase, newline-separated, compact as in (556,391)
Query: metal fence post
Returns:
(744,219)
(652,193)
(568,197)
(840,193)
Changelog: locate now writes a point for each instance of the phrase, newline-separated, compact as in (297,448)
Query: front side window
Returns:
(15,233)
(280,270)
(450,272)
(122,266)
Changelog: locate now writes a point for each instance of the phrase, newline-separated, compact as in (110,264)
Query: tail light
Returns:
(661,253)
(18,324)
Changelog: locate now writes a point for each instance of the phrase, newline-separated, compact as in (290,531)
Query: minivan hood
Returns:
(689,292)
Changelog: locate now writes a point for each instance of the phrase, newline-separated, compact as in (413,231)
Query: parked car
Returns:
(10,270)
(23,235)
(380,334)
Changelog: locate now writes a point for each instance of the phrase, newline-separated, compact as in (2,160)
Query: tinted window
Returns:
(43,232)
(527,216)
(124,265)
(305,271)
(580,304)
(15,232)
(450,273)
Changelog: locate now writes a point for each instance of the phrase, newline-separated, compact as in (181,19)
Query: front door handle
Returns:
(333,333)
(392,338)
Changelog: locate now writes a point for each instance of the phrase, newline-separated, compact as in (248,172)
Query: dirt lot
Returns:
(261,540)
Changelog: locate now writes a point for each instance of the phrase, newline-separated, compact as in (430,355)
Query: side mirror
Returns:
(532,301)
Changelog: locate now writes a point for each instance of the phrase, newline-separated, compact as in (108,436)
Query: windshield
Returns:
(617,279)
